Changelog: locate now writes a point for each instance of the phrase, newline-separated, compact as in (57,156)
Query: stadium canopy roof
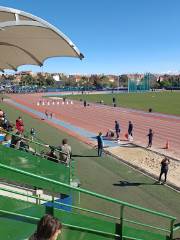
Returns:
(27,39)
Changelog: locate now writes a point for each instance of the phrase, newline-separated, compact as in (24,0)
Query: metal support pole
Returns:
(79,198)
(70,170)
(50,209)
(171,229)
(38,193)
(121,221)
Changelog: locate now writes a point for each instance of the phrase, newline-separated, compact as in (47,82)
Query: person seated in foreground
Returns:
(4,123)
(24,144)
(7,141)
(9,127)
(65,152)
(1,113)
(15,139)
(52,155)
(2,134)
(48,228)
(1,121)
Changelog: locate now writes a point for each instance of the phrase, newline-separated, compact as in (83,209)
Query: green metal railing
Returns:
(64,224)
(46,146)
(122,204)
(58,203)
(70,168)
(40,144)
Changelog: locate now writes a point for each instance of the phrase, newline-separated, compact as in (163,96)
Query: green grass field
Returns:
(163,102)
(103,175)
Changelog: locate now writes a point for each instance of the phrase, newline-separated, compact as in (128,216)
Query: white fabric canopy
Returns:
(26,39)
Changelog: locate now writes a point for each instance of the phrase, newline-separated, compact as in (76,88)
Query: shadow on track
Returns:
(132,184)
(76,155)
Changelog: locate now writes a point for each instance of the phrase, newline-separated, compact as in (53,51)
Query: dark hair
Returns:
(47,227)
(64,141)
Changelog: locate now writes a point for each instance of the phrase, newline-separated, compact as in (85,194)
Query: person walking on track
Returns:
(130,129)
(164,169)
(117,129)
(100,144)
(46,113)
(85,103)
(150,138)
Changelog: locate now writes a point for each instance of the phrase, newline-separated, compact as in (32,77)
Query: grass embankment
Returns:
(162,102)
(104,175)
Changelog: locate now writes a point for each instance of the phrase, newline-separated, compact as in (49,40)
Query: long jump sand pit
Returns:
(147,161)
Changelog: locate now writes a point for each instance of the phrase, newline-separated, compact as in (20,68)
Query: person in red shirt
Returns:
(20,125)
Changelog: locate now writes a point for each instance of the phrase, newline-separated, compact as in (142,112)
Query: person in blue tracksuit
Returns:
(164,169)
(130,129)
(150,138)
(100,144)
(117,129)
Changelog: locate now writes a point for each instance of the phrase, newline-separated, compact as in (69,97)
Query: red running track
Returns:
(95,118)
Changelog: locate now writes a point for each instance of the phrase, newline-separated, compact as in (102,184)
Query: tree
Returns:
(27,80)
(165,84)
(96,81)
(104,80)
(40,80)
(113,84)
(49,81)
(123,80)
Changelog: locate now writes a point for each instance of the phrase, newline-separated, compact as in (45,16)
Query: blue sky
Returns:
(116,36)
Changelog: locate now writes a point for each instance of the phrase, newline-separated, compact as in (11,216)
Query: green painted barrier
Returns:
(33,164)
(123,205)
